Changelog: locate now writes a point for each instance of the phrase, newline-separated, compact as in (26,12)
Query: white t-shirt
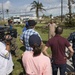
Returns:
(6,63)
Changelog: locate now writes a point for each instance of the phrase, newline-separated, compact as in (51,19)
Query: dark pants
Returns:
(62,68)
(73,60)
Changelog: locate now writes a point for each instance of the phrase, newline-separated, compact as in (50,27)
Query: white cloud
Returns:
(25,8)
(47,4)
(7,5)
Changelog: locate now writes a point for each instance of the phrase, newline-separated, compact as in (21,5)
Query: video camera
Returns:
(6,30)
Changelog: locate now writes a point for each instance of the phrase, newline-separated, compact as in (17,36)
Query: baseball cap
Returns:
(32,22)
(34,39)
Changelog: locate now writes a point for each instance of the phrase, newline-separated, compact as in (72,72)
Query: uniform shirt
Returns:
(6,63)
(39,65)
(58,45)
(72,38)
(25,37)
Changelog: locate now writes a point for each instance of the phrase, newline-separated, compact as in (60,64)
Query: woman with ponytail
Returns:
(34,62)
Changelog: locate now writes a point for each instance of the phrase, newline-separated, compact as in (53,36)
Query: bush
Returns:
(69,22)
(3,22)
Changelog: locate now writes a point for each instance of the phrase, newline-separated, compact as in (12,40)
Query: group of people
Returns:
(36,60)
(6,44)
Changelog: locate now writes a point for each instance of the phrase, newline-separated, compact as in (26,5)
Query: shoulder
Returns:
(73,33)
(32,31)
(2,44)
(27,54)
(64,39)
(45,57)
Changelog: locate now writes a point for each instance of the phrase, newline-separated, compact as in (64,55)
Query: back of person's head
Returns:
(31,23)
(35,43)
(52,21)
(59,30)
(9,21)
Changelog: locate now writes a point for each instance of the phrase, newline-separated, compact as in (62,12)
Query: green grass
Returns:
(44,34)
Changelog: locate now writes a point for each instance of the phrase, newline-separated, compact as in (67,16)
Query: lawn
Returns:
(18,70)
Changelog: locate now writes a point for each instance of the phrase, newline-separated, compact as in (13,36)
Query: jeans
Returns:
(62,68)
(73,60)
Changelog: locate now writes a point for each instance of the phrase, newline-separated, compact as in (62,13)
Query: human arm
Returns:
(71,52)
(8,39)
(45,51)
(22,39)
(4,51)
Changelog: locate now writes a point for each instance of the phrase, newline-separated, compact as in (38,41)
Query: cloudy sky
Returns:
(23,6)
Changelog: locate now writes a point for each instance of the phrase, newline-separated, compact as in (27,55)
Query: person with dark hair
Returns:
(25,27)
(10,24)
(26,34)
(58,46)
(14,46)
(34,62)
(6,63)
(71,39)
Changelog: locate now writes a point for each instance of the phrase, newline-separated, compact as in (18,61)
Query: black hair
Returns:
(59,30)
(36,50)
(35,43)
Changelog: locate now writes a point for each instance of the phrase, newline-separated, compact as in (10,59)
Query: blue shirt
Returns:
(24,29)
(72,38)
(25,37)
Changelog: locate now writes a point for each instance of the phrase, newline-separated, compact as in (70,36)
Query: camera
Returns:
(6,30)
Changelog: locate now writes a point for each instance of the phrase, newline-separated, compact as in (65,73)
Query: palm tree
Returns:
(38,7)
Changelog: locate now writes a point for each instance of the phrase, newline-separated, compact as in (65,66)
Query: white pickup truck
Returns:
(16,19)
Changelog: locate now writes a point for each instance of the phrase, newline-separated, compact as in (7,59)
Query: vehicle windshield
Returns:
(16,17)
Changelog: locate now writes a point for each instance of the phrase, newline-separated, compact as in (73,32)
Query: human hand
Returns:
(66,57)
(22,54)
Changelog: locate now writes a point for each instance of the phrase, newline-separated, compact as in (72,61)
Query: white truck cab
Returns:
(16,19)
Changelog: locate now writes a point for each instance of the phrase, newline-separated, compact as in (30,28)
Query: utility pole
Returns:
(69,7)
(61,10)
(3,11)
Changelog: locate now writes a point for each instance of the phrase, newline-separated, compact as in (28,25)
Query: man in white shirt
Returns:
(6,63)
